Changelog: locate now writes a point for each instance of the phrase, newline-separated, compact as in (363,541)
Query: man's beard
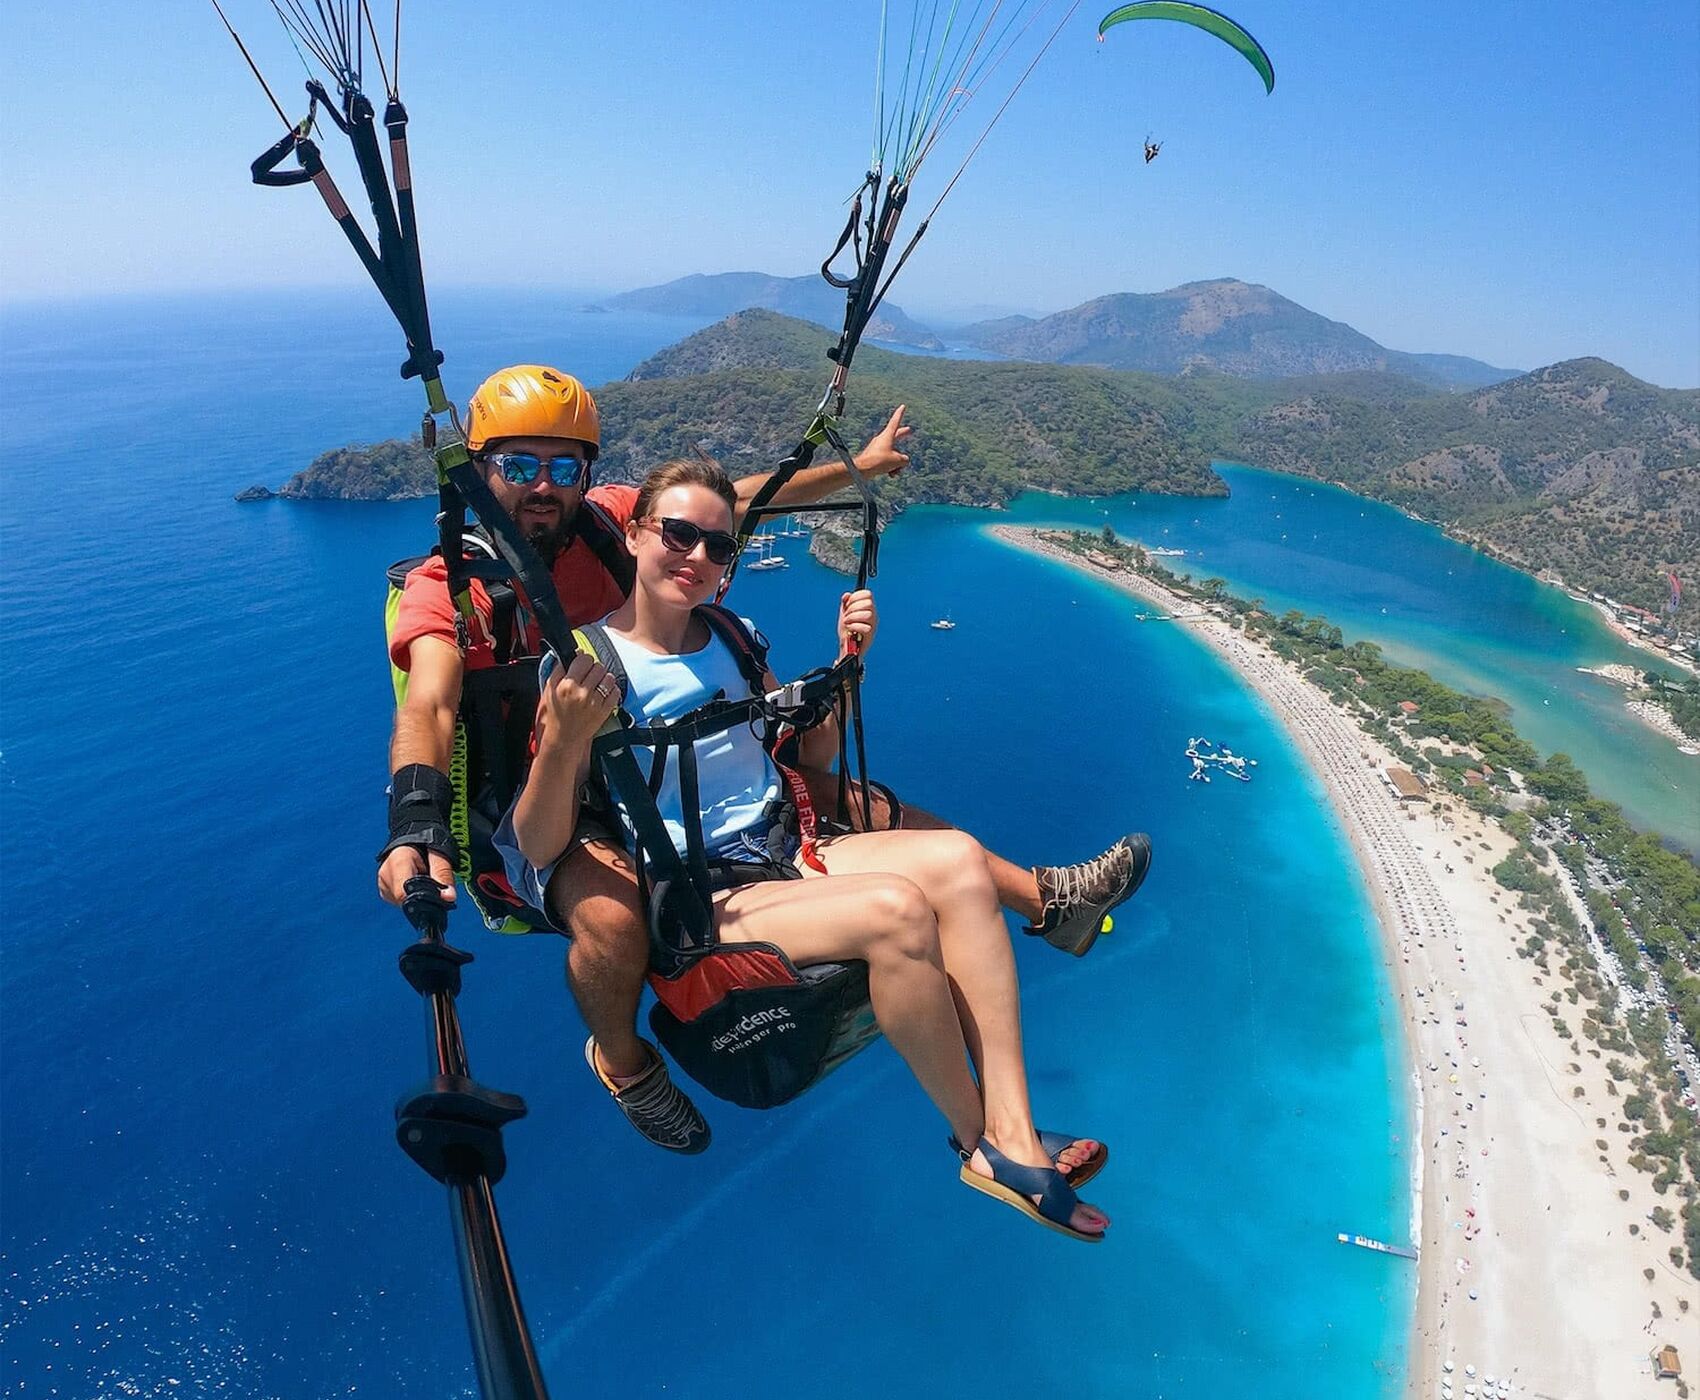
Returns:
(549,540)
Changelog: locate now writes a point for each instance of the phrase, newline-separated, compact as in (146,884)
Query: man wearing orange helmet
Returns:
(535,432)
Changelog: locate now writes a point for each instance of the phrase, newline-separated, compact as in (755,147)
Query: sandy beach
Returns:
(1538,1267)
(1649,712)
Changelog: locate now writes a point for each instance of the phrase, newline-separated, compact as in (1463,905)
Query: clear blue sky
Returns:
(1518,182)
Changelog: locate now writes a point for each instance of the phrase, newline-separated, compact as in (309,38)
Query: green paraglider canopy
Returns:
(1200,17)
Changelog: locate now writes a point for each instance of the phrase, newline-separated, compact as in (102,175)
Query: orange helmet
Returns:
(532,401)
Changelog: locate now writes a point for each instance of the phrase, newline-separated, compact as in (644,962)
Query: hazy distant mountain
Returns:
(808,298)
(1232,327)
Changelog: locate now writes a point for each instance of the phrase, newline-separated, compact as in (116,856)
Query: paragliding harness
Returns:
(741,1019)
(498,707)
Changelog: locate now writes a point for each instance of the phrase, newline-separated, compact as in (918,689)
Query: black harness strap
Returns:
(679,890)
(607,540)
(690,802)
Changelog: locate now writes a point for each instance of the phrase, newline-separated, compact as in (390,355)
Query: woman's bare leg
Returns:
(949,870)
(885,921)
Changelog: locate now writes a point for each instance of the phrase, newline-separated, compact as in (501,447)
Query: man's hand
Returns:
(857,622)
(881,457)
(404,862)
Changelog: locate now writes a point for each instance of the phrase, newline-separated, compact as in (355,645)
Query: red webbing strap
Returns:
(805,806)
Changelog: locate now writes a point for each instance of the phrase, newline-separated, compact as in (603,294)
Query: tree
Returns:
(1560,780)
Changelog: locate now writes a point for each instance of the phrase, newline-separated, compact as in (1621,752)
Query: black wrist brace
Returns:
(421,798)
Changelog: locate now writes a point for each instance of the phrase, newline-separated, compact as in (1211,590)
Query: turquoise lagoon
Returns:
(1470,621)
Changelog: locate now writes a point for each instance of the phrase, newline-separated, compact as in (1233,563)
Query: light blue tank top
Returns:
(737,782)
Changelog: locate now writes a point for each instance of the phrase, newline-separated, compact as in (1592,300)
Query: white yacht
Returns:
(764,558)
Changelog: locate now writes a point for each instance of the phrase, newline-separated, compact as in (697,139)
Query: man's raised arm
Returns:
(881,457)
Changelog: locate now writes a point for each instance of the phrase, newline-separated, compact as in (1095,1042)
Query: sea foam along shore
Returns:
(1528,1270)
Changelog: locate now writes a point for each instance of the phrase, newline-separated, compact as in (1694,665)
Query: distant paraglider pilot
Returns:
(1151,149)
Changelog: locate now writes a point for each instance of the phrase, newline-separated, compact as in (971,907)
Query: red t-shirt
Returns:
(588,593)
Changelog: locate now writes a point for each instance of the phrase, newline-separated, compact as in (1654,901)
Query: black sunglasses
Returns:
(682,536)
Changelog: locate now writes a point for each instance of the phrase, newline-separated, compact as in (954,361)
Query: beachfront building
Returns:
(1406,786)
(1667,1365)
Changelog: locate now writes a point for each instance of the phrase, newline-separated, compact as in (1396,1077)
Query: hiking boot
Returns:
(656,1106)
(1078,898)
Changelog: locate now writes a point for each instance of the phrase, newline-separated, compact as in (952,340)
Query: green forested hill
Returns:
(1578,467)
(986,431)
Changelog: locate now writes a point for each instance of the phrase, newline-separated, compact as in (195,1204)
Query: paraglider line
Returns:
(254,68)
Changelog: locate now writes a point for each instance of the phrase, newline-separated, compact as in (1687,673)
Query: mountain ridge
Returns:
(1238,328)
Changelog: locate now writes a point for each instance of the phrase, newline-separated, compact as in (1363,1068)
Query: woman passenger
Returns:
(918,907)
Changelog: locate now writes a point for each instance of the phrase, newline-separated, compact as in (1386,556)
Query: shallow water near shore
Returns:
(203,1031)
(1471,622)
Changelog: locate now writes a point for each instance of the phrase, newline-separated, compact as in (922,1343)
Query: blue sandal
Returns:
(1016,1185)
(1055,1144)
(1058,1143)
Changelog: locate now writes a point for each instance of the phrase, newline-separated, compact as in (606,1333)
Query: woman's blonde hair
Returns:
(685,471)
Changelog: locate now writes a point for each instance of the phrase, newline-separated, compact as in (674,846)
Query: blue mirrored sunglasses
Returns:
(521,468)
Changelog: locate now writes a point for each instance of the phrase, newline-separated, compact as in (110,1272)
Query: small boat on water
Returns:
(765,560)
(943,624)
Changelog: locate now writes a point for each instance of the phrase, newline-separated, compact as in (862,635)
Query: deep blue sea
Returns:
(203,1033)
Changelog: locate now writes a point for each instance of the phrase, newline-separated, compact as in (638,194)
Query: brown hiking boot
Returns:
(1078,898)
(656,1106)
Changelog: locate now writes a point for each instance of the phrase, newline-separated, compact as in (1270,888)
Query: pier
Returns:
(1365,1242)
